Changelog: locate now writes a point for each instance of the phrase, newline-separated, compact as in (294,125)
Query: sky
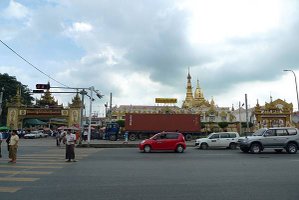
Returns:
(140,50)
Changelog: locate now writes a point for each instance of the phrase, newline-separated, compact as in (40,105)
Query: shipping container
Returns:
(142,126)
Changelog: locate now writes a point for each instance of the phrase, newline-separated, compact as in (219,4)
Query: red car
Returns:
(164,141)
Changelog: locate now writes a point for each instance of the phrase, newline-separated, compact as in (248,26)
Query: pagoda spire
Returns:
(189,95)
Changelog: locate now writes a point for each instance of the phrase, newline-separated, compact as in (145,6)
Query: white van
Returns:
(219,140)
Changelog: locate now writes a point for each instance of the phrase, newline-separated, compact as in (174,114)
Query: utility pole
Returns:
(90,113)
(110,108)
(83,93)
(246,105)
(240,117)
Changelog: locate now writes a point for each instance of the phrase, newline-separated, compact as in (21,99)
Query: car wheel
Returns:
(204,146)
(232,145)
(147,148)
(255,148)
(278,150)
(292,148)
(112,137)
(179,149)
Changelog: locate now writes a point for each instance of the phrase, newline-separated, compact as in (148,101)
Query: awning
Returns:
(34,122)
(4,128)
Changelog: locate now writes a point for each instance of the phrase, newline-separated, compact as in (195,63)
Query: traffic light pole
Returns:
(91,89)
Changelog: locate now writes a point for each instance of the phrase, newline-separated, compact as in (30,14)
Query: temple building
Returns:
(46,111)
(209,111)
(273,114)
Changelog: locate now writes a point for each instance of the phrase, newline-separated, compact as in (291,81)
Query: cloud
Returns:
(140,50)
(16,10)
(80,27)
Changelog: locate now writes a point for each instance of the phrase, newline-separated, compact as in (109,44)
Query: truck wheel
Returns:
(179,149)
(132,137)
(292,148)
(112,137)
(147,148)
(188,137)
(255,148)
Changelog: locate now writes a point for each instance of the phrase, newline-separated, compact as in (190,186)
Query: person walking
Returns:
(13,146)
(70,140)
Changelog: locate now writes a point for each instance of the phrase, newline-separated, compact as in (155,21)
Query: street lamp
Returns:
(288,70)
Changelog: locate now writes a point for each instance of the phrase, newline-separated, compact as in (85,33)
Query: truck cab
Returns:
(111,131)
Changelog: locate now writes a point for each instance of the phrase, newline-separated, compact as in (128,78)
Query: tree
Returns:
(223,124)
(9,85)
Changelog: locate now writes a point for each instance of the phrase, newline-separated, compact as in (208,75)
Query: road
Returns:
(125,173)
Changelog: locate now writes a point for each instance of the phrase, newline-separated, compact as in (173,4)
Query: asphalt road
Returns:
(125,173)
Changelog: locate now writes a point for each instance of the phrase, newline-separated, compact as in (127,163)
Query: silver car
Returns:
(279,139)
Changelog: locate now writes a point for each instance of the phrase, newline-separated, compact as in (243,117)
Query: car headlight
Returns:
(143,141)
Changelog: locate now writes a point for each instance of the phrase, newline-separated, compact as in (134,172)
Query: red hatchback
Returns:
(164,141)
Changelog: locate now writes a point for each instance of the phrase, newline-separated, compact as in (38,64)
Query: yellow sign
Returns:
(166,100)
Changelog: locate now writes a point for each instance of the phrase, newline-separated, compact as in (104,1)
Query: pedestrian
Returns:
(13,146)
(70,140)
(1,138)
(126,135)
(85,134)
(57,136)
(8,140)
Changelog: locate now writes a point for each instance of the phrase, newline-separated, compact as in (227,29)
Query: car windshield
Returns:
(210,135)
(259,132)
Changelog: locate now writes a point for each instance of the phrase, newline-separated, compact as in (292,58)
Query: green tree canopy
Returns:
(9,86)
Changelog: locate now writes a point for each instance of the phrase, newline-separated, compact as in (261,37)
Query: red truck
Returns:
(142,126)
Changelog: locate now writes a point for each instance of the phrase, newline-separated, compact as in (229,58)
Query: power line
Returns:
(31,64)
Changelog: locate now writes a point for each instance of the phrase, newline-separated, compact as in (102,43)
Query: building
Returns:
(46,111)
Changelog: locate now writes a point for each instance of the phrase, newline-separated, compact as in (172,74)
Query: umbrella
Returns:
(62,128)
(68,128)
(4,128)
(72,128)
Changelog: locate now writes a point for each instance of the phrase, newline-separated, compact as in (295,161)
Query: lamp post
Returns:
(288,70)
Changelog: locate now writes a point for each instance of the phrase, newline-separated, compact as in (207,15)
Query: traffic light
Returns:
(43,86)
(38,91)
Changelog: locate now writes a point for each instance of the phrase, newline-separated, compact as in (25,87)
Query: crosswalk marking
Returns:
(18,179)
(30,167)
(9,189)
(24,172)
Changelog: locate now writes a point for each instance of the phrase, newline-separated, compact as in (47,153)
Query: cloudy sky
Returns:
(141,49)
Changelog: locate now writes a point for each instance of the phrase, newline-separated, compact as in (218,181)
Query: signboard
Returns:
(40,111)
(166,100)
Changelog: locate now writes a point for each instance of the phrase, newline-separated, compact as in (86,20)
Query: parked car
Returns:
(34,134)
(279,139)
(172,141)
(218,140)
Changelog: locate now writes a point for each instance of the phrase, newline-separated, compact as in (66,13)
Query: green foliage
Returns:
(121,123)
(9,85)
(223,124)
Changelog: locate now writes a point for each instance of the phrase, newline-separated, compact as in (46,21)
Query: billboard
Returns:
(166,100)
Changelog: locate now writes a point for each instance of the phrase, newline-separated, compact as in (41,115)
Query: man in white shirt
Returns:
(13,146)
(70,140)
